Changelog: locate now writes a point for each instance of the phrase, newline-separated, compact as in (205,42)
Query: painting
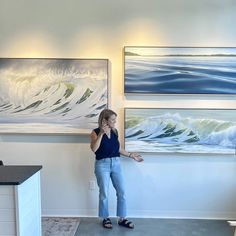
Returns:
(179,70)
(201,131)
(52,95)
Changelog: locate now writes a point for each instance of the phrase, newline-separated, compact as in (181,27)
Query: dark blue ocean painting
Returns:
(180,70)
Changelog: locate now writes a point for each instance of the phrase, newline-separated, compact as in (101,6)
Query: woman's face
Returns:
(111,121)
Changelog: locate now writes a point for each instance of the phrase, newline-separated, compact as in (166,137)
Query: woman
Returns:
(106,146)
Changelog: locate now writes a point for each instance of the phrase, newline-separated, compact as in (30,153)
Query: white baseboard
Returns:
(69,213)
(183,215)
(143,214)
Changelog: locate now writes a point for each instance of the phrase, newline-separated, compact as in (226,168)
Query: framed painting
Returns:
(51,95)
(203,131)
(180,70)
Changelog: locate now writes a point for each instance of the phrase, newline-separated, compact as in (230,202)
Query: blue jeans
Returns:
(104,170)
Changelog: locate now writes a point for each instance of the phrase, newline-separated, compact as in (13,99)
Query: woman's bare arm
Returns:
(95,140)
(132,155)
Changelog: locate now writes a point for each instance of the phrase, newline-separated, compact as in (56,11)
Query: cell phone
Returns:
(104,121)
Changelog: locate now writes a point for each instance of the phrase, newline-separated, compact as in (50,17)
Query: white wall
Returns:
(183,186)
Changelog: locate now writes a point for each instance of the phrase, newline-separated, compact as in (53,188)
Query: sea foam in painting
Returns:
(180,131)
(51,95)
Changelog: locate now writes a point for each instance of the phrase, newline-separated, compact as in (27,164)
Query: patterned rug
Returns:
(59,226)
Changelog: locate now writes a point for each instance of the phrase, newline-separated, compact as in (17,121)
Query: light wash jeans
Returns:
(104,170)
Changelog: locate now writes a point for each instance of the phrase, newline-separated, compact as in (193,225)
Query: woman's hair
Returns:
(105,114)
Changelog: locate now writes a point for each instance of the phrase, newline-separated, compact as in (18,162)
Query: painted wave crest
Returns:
(174,129)
(58,96)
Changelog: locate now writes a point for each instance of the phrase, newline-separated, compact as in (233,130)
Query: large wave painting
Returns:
(200,131)
(162,70)
(51,95)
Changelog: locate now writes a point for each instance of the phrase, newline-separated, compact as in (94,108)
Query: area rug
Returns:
(59,226)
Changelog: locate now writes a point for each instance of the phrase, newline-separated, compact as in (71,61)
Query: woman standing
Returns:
(106,146)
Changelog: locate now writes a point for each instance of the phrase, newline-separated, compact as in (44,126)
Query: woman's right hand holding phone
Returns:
(105,128)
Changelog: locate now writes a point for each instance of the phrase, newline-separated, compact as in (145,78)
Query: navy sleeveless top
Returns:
(109,147)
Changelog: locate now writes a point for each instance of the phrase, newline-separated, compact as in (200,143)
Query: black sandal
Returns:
(126,223)
(106,223)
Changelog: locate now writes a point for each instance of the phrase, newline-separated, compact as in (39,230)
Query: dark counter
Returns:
(15,175)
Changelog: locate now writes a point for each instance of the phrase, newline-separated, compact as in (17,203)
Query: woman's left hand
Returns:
(136,157)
